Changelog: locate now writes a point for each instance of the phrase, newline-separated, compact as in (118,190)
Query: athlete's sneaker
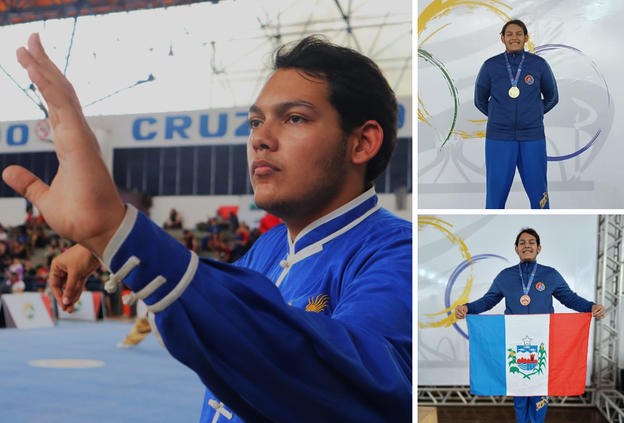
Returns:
(124,345)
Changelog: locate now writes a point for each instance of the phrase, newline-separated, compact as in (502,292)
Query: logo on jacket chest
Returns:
(529,80)
(540,286)
(316,304)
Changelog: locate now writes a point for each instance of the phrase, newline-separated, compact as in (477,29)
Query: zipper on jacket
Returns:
(516,105)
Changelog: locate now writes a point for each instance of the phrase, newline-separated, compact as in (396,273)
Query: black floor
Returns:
(485,414)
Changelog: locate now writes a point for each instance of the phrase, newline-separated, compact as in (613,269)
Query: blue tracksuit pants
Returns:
(530,409)
(501,160)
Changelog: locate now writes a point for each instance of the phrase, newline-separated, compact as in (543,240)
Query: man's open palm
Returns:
(81,203)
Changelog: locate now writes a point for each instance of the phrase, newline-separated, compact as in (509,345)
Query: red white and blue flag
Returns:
(528,355)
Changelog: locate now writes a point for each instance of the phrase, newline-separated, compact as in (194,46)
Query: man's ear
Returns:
(368,140)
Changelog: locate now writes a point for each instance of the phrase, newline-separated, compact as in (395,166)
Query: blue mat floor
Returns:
(142,384)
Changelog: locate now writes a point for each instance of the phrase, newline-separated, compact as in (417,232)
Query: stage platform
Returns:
(486,414)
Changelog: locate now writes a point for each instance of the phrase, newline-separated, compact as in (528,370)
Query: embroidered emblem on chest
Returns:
(540,286)
(318,303)
(529,80)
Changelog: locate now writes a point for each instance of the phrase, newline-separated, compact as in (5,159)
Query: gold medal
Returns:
(514,92)
(525,300)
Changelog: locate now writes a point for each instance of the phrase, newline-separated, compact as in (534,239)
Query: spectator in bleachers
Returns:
(64,246)
(214,237)
(55,243)
(18,246)
(253,236)
(94,281)
(173,221)
(214,230)
(4,250)
(41,278)
(241,241)
(190,241)
(233,221)
(39,238)
(223,252)
(16,283)
(50,254)
(16,267)
(30,275)
(4,237)
(31,219)
(203,226)
(112,301)
(4,265)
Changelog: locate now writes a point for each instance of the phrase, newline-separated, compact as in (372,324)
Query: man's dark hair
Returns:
(529,231)
(515,22)
(357,89)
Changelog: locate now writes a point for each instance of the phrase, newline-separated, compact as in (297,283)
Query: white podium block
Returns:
(86,308)
(27,310)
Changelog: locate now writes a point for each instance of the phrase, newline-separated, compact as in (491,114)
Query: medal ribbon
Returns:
(525,288)
(514,82)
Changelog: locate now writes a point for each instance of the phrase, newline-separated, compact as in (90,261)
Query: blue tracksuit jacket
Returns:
(319,329)
(508,285)
(515,119)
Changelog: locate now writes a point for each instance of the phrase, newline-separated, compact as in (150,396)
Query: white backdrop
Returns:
(568,245)
(578,39)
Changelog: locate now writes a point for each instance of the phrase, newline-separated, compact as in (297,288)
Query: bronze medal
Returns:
(525,300)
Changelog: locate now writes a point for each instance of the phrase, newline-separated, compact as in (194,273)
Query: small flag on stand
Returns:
(528,355)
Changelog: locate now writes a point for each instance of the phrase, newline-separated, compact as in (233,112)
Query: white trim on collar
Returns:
(317,247)
(331,216)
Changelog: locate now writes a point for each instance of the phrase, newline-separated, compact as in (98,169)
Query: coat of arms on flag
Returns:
(528,355)
(527,359)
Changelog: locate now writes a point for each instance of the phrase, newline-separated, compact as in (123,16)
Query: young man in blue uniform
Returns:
(314,323)
(514,90)
(522,296)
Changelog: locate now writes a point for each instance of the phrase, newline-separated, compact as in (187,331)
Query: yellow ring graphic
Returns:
(438,224)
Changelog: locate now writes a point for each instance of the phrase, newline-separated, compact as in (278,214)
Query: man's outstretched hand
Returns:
(598,311)
(69,273)
(461,311)
(81,203)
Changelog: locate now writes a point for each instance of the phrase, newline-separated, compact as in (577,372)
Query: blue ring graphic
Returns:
(547,47)
(449,287)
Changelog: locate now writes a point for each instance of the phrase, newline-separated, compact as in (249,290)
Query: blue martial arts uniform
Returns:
(547,283)
(319,329)
(515,128)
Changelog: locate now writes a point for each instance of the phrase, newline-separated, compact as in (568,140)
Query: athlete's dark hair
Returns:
(515,22)
(529,231)
(357,89)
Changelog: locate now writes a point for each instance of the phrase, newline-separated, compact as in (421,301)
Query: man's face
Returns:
(514,38)
(527,248)
(296,150)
